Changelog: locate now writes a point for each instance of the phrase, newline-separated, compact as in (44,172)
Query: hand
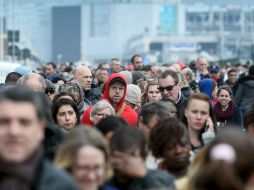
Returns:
(130,165)
(209,124)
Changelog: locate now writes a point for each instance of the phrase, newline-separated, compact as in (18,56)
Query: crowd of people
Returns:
(177,126)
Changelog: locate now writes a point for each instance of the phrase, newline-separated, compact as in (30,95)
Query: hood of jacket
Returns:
(206,87)
(248,81)
(73,87)
(106,90)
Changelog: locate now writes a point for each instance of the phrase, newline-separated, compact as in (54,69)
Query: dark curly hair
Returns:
(165,132)
(61,102)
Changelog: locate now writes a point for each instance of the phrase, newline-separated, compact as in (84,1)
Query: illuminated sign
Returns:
(181,46)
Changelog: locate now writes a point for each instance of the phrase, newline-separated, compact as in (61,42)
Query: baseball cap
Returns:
(213,68)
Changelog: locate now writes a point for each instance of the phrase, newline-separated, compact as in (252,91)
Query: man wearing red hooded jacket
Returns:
(115,92)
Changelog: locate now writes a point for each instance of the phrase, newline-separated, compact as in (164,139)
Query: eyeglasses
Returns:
(168,88)
(101,115)
(51,91)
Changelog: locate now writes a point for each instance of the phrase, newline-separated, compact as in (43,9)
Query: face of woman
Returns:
(89,168)
(177,154)
(197,114)
(100,115)
(66,117)
(153,94)
(224,97)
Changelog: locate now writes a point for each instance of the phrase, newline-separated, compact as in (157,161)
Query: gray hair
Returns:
(99,106)
(27,76)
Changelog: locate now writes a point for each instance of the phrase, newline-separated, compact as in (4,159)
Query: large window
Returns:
(100,20)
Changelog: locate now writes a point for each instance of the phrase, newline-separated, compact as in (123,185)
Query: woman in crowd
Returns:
(84,154)
(169,141)
(230,155)
(74,88)
(226,111)
(65,114)
(200,120)
(151,93)
(100,110)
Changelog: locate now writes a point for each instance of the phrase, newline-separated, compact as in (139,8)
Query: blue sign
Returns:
(168,18)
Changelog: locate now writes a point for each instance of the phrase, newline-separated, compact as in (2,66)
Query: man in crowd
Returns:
(12,78)
(150,114)
(115,93)
(155,72)
(22,123)
(50,70)
(202,69)
(92,93)
(53,134)
(171,91)
(103,75)
(115,66)
(137,62)
(214,73)
(232,79)
(34,81)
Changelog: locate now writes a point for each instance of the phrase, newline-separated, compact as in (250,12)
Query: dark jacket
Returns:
(53,137)
(186,91)
(50,178)
(93,95)
(244,97)
(180,106)
(237,119)
(153,180)
(233,87)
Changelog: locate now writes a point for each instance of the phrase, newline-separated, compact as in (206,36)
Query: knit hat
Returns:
(130,68)
(213,68)
(128,76)
(133,94)
(49,84)
(181,64)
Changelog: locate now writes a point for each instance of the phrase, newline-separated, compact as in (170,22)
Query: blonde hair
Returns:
(76,139)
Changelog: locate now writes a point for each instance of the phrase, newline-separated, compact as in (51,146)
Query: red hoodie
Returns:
(123,110)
